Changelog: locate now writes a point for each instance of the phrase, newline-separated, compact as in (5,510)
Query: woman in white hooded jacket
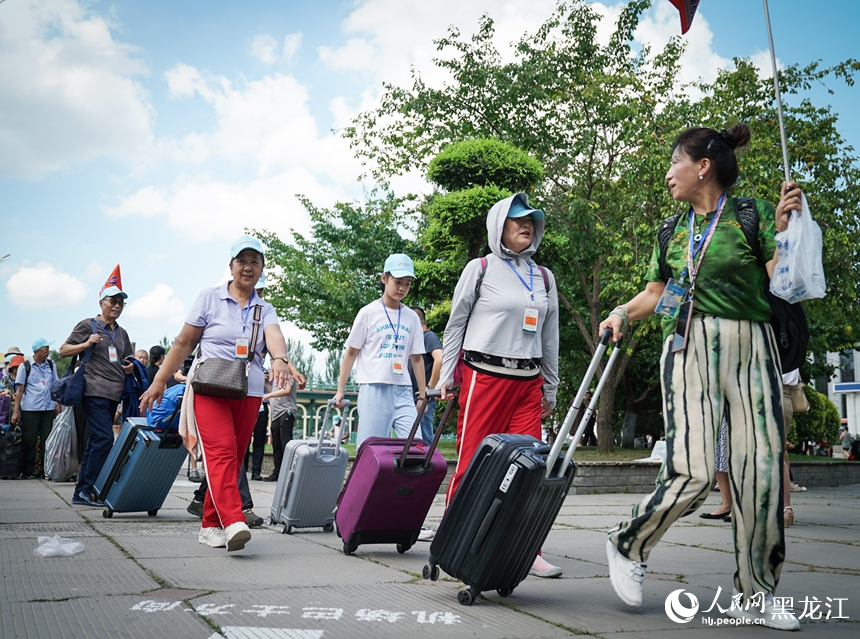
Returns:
(504,316)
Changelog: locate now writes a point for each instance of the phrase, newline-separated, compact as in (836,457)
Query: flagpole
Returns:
(778,98)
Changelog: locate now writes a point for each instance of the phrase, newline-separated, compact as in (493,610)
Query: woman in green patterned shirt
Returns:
(719,353)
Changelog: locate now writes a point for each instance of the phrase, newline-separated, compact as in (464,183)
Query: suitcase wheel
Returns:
(505,592)
(430,572)
(349,549)
(328,528)
(466,597)
(287,530)
(107,513)
(402,548)
(152,513)
(271,521)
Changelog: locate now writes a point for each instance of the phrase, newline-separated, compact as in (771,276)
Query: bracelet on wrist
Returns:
(283,359)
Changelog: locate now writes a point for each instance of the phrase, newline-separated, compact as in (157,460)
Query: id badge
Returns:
(112,354)
(397,365)
(672,298)
(241,348)
(682,328)
(530,320)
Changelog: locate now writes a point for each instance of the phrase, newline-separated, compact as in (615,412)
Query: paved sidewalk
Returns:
(145,576)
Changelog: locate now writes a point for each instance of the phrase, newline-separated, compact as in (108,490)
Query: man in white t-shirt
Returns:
(385,334)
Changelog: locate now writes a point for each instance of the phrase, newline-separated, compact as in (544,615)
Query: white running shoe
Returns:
(212,537)
(772,617)
(426,534)
(626,576)
(237,536)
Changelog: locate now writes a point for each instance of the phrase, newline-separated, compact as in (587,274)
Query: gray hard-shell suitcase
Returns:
(310,480)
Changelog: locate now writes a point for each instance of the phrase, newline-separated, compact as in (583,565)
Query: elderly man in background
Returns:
(34,407)
(105,381)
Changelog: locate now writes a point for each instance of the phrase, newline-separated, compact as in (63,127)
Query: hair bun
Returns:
(729,138)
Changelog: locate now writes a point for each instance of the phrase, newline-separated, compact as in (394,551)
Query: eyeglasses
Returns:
(114,302)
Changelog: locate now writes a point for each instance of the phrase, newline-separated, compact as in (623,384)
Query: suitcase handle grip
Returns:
(339,435)
(576,406)
(431,393)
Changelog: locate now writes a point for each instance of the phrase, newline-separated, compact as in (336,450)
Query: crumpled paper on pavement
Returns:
(57,546)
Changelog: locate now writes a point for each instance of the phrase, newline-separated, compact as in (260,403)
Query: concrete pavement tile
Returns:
(815,532)
(824,554)
(377,611)
(809,631)
(98,618)
(257,567)
(76,576)
(65,529)
(40,515)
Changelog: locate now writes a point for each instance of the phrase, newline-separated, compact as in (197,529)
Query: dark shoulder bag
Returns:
(69,389)
(227,378)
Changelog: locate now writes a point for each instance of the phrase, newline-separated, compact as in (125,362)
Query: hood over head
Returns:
(496,223)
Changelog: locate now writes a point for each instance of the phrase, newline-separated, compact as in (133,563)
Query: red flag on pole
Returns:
(687,9)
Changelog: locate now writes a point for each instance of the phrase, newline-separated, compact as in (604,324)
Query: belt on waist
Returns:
(506,362)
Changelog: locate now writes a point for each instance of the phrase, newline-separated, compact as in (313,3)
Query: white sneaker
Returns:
(212,537)
(626,576)
(780,619)
(426,534)
(237,536)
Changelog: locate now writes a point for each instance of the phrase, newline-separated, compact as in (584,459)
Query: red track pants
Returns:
(224,428)
(490,405)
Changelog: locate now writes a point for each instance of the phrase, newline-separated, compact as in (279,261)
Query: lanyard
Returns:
(390,323)
(531,284)
(109,336)
(697,249)
(245,311)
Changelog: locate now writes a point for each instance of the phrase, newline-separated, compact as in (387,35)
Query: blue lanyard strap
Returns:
(531,284)
(109,335)
(390,323)
(245,311)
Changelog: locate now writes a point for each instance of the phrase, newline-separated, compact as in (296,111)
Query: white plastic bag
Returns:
(57,546)
(61,454)
(799,273)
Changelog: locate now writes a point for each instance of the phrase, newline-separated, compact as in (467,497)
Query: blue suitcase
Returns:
(140,469)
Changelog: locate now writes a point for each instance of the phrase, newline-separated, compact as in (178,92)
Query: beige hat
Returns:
(13,350)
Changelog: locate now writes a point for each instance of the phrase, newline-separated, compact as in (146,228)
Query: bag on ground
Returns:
(61,448)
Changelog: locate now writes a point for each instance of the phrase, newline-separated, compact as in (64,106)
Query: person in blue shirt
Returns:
(34,408)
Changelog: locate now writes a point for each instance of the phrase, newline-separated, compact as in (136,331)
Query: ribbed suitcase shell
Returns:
(502,513)
(306,495)
(382,504)
(140,469)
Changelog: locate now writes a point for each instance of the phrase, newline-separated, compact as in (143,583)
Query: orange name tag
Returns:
(530,320)
(397,365)
(241,349)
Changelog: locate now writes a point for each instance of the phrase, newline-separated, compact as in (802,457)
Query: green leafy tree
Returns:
(601,119)
(303,358)
(819,424)
(62,363)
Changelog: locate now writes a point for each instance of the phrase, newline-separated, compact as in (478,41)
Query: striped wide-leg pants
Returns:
(729,364)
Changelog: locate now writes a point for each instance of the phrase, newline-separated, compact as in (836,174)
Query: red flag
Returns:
(687,9)
(113,285)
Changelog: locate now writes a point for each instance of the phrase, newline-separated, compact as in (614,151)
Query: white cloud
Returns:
(265,48)
(292,44)
(43,286)
(269,51)
(160,303)
(69,89)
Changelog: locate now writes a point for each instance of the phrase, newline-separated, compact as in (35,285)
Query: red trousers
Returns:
(224,428)
(491,405)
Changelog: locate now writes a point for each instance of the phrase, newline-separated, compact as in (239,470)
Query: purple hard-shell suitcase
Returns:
(390,489)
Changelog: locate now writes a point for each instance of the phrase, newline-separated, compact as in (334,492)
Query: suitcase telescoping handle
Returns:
(432,393)
(576,407)
(339,435)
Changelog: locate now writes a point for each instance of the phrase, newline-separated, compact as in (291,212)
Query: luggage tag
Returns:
(397,364)
(672,297)
(112,355)
(530,320)
(682,328)
(241,348)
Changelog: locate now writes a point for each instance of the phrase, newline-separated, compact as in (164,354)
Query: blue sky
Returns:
(150,133)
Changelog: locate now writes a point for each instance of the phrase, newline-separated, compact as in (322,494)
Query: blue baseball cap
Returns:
(246,242)
(261,283)
(39,343)
(399,265)
(520,208)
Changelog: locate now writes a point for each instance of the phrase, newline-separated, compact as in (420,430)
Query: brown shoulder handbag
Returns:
(227,378)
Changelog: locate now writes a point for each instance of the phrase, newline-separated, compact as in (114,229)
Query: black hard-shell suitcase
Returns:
(507,501)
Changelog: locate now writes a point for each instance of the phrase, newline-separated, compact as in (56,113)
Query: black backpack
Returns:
(788,320)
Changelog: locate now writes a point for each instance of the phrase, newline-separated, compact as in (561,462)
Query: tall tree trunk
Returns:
(605,436)
(628,427)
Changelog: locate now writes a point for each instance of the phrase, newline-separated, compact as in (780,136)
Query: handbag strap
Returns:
(258,313)
(85,358)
